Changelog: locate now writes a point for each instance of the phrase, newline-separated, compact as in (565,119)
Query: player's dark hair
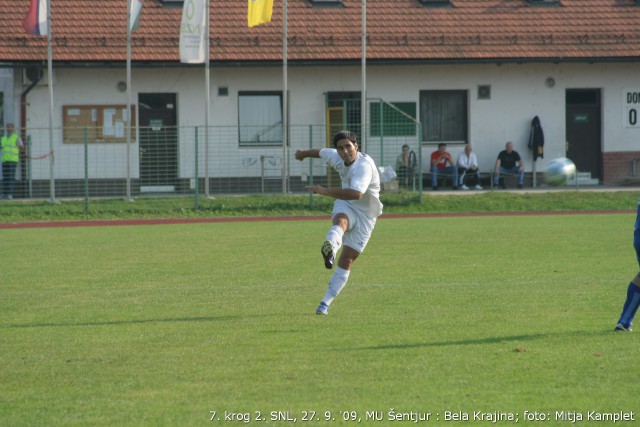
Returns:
(344,134)
(442,144)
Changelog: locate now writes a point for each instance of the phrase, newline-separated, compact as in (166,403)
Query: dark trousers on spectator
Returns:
(403,176)
(8,178)
(470,176)
(450,170)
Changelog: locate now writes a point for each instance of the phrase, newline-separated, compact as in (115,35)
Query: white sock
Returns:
(337,282)
(334,235)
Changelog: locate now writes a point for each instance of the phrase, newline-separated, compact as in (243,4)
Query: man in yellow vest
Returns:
(11,145)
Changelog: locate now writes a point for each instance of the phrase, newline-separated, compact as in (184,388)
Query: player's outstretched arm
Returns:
(303,154)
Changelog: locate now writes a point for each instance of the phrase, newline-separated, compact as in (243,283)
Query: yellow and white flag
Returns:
(192,32)
(259,12)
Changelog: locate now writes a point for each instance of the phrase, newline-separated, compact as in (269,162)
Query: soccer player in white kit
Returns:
(355,210)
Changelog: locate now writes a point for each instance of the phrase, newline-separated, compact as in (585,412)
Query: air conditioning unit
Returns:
(34,74)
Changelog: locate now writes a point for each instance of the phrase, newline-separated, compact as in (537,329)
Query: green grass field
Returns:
(160,325)
(566,200)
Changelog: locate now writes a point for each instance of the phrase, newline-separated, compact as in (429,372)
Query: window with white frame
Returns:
(443,114)
(260,118)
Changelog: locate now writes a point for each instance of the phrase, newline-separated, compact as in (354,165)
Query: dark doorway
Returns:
(583,124)
(343,113)
(158,141)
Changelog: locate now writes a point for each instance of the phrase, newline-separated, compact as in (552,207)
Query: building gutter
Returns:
(341,62)
(23,106)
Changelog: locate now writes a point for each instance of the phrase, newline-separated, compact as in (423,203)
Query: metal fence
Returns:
(191,161)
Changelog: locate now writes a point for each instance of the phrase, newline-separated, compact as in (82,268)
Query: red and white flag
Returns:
(36,22)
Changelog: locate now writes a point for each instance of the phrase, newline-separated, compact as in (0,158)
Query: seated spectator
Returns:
(509,161)
(468,169)
(439,161)
(402,167)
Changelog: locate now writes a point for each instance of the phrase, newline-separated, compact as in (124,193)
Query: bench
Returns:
(445,180)
(486,180)
(512,177)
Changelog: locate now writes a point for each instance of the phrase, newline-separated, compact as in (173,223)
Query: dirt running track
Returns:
(124,222)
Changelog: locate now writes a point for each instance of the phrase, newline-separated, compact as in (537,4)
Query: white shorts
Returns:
(360,226)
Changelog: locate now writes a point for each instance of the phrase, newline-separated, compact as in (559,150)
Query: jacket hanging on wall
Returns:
(536,139)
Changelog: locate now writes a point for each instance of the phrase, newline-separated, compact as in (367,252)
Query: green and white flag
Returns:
(192,32)
(134,20)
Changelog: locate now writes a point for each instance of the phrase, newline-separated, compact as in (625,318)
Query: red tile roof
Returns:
(398,30)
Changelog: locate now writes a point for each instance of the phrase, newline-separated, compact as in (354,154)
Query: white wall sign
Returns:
(631,110)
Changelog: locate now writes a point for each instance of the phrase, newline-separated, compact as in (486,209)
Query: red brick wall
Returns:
(617,167)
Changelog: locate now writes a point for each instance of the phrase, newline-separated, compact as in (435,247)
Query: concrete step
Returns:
(582,182)
(584,178)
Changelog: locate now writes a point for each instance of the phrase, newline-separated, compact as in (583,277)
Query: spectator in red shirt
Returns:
(439,161)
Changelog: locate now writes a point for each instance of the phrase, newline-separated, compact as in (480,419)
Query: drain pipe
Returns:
(23,129)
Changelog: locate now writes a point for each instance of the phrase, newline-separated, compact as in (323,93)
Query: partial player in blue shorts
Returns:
(633,291)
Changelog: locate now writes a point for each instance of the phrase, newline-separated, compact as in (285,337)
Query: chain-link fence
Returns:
(92,163)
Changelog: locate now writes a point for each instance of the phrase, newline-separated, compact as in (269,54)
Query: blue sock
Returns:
(630,305)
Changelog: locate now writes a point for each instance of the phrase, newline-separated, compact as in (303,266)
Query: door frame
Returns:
(145,185)
(588,103)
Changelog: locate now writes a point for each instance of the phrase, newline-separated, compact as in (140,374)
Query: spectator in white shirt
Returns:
(467,165)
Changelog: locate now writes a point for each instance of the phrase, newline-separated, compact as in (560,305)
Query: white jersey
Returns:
(361,175)
(466,162)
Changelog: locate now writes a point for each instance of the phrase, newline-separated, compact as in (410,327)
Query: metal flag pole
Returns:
(363,100)
(129,102)
(207,82)
(285,100)
(52,184)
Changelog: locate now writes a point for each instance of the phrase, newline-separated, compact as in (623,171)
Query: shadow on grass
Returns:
(481,341)
(489,340)
(121,322)
(493,340)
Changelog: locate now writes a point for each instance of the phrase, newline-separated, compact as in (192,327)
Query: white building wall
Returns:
(518,93)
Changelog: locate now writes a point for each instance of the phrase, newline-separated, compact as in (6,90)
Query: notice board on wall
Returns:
(102,123)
